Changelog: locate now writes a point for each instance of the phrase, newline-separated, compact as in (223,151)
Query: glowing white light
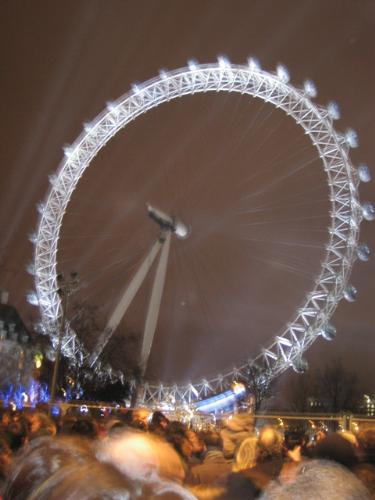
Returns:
(33,238)
(351,138)
(310,88)
(254,64)
(136,87)
(368,210)
(180,229)
(194,390)
(192,64)
(282,73)
(68,151)
(30,268)
(364,173)
(223,62)
(350,293)
(328,332)
(300,365)
(111,105)
(52,179)
(163,73)
(87,127)
(363,252)
(50,354)
(40,208)
(32,298)
(333,110)
(238,388)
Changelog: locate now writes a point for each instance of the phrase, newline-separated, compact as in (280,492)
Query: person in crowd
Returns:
(335,447)
(365,469)
(236,428)
(141,456)
(40,459)
(159,423)
(366,441)
(295,445)
(40,425)
(269,452)
(215,468)
(17,431)
(6,458)
(198,447)
(246,455)
(94,480)
(316,480)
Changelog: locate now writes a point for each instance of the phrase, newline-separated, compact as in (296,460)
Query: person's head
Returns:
(41,424)
(294,439)
(39,460)
(335,447)
(198,446)
(240,422)
(94,480)
(212,439)
(18,431)
(159,420)
(6,418)
(365,472)
(270,443)
(317,479)
(182,445)
(89,480)
(246,455)
(140,418)
(5,457)
(366,441)
(141,456)
(85,426)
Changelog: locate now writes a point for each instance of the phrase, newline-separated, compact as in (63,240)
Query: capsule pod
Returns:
(333,110)
(282,73)
(351,138)
(364,173)
(310,88)
(368,210)
(254,64)
(363,252)
(300,365)
(350,293)
(328,332)
(192,64)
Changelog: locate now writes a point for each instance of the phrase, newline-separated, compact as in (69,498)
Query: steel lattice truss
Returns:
(312,319)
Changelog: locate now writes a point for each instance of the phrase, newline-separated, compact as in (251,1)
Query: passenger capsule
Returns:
(328,332)
(350,293)
(300,365)
(368,210)
(364,173)
(310,88)
(363,252)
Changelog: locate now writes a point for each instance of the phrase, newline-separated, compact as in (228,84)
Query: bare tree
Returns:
(300,390)
(338,388)
(258,386)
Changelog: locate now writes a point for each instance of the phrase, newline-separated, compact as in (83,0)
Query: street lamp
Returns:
(66,287)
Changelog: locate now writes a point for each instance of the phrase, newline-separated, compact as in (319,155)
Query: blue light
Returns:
(55,411)
(220,401)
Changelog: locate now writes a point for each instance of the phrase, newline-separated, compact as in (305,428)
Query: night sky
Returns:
(241,174)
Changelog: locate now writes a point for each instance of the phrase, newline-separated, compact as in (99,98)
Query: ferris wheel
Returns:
(342,248)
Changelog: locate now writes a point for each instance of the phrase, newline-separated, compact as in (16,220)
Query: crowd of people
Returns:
(142,455)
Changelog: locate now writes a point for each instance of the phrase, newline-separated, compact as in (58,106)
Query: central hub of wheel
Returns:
(167,222)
